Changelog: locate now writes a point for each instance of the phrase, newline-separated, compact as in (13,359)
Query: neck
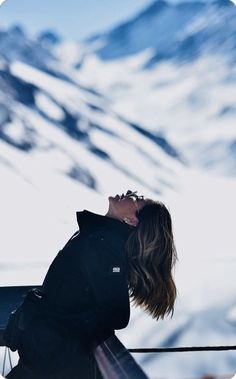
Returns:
(110,214)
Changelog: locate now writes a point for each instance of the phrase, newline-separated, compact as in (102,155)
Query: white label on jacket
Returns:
(115,269)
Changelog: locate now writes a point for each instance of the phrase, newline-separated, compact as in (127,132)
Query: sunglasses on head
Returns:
(133,195)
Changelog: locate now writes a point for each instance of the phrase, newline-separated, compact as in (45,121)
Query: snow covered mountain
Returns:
(174,64)
(148,105)
(52,126)
(179,32)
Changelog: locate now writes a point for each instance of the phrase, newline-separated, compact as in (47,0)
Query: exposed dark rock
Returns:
(100,153)
(17,88)
(95,108)
(70,125)
(158,139)
(83,176)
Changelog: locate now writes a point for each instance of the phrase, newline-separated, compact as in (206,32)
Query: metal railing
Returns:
(113,359)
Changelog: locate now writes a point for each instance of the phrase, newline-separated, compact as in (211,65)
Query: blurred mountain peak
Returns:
(17,30)
(49,37)
(224,3)
(163,27)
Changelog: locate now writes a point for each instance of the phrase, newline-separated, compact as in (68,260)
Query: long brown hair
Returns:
(151,255)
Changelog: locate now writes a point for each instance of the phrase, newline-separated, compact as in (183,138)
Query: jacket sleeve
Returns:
(105,270)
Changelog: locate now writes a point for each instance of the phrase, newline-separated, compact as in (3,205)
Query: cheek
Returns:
(126,206)
(117,206)
(120,207)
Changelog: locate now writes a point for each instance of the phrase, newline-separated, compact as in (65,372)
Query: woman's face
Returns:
(125,206)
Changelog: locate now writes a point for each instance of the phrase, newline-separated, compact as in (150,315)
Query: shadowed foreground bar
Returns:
(113,359)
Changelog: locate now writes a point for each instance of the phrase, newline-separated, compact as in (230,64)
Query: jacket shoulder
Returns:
(110,237)
(107,238)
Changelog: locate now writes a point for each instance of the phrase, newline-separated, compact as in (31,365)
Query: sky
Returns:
(74,19)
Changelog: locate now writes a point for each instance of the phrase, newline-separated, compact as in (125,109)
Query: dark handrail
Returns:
(181,349)
(115,361)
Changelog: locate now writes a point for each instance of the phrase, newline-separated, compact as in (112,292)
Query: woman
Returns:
(128,252)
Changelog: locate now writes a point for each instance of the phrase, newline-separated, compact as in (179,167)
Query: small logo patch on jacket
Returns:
(115,270)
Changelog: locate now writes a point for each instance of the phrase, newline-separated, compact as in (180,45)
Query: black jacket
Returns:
(86,286)
(88,277)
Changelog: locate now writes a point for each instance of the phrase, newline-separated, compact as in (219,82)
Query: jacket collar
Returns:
(88,221)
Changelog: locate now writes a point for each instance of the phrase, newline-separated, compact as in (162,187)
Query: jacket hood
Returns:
(91,221)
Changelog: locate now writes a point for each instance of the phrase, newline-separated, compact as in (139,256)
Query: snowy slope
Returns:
(192,106)
(53,129)
(174,64)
